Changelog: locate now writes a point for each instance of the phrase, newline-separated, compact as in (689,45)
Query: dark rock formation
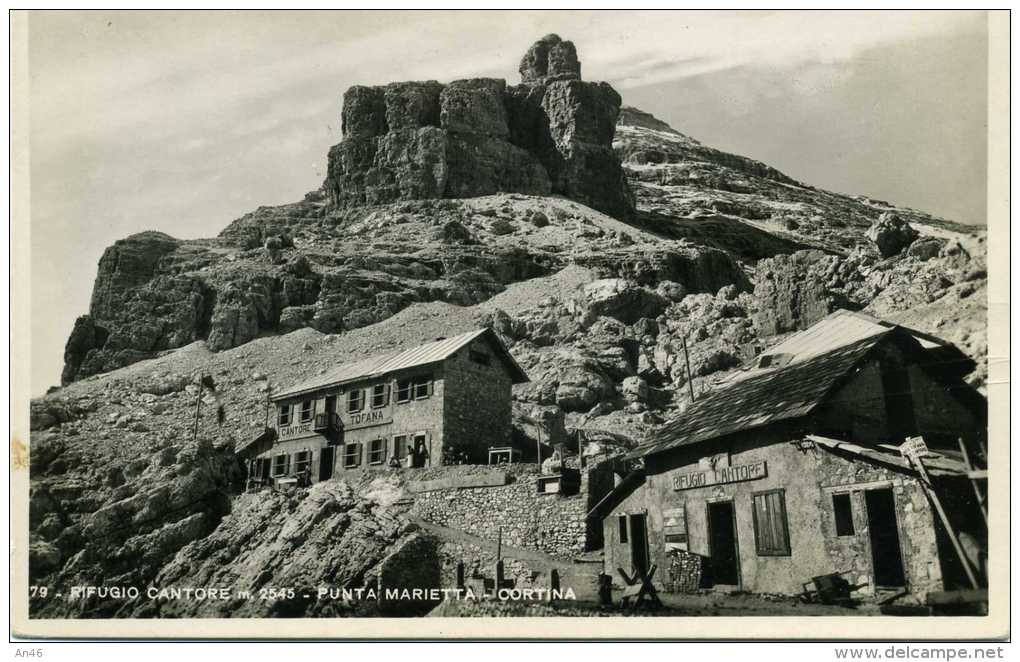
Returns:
(551,134)
(891,234)
(550,59)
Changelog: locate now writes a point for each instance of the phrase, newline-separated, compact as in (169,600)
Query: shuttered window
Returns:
(352,455)
(380,395)
(355,401)
(302,461)
(284,417)
(771,532)
(281,465)
(306,411)
(376,451)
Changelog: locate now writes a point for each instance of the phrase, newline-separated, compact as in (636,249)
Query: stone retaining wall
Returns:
(545,522)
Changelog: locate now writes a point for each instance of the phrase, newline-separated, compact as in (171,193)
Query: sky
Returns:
(184,121)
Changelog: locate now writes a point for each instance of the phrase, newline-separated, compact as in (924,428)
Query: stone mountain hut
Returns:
(792,470)
(444,402)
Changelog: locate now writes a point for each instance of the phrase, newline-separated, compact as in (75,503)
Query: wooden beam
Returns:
(934,498)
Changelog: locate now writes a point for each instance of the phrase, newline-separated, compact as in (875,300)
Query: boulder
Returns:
(891,234)
(634,389)
(617,298)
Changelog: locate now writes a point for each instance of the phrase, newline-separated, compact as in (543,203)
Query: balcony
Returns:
(326,422)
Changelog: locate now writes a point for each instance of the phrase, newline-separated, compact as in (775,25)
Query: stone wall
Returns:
(476,411)
(547,523)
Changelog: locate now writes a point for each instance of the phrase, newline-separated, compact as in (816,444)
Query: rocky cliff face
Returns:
(552,133)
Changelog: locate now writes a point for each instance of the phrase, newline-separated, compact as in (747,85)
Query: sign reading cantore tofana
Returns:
(719,476)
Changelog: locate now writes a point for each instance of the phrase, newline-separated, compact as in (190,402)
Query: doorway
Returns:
(638,543)
(326,463)
(722,544)
(886,557)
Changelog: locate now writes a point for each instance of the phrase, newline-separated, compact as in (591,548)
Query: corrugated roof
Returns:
(838,329)
(421,355)
(764,397)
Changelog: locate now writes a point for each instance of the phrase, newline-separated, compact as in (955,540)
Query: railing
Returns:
(326,422)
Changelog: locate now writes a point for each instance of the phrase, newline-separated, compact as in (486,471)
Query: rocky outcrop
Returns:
(891,234)
(550,59)
(551,134)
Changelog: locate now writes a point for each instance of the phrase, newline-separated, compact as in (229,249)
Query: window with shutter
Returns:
(284,416)
(376,451)
(281,465)
(380,395)
(771,531)
(400,446)
(355,400)
(352,455)
(422,387)
(306,411)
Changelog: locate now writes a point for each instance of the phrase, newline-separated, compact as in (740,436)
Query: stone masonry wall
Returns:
(544,522)
(476,413)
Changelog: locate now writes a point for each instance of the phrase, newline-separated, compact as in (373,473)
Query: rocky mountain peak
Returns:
(413,140)
(550,59)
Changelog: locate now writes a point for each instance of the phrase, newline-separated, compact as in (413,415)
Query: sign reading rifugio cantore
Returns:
(720,476)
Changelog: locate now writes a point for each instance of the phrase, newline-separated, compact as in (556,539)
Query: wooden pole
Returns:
(538,447)
(269,391)
(499,545)
(934,498)
(580,449)
(198,409)
(687,360)
(973,481)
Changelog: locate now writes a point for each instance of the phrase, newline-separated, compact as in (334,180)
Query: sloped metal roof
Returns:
(764,397)
(839,329)
(421,355)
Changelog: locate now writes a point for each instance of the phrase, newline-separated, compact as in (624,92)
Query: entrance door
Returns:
(885,538)
(722,543)
(420,454)
(638,543)
(326,463)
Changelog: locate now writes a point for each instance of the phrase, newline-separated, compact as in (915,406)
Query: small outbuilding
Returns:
(793,470)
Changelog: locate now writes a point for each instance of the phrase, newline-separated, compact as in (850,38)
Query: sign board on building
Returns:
(367,419)
(914,448)
(720,476)
(674,528)
(295,430)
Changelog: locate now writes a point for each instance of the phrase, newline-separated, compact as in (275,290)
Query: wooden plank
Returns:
(956,597)
(934,498)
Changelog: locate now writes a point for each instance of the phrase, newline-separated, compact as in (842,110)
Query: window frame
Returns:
(399,448)
(384,395)
(310,411)
(298,468)
(273,473)
(849,513)
(280,416)
(421,381)
(623,529)
(381,451)
(355,394)
(355,453)
(788,550)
